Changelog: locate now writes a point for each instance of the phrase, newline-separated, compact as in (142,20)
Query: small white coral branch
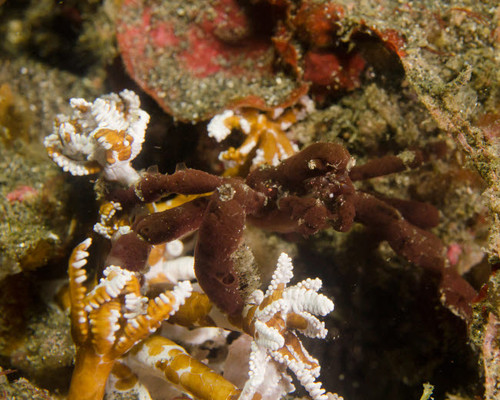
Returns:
(178,269)
(273,318)
(103,136)
(217,128)
(265,134)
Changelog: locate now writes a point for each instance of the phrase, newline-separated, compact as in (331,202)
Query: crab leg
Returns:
(154,186)
(173,223)
(220,235)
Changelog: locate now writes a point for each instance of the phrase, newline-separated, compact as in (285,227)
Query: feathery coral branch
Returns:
(109,320)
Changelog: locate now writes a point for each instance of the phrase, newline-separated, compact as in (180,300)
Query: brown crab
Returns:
(306,193)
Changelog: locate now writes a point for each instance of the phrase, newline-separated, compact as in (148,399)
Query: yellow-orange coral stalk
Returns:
(178,367)
(90,375)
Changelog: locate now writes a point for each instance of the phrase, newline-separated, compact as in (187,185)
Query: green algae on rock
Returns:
(35,222)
